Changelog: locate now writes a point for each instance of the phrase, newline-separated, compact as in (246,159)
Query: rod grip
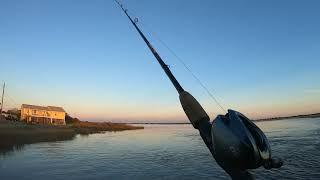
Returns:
(193,109)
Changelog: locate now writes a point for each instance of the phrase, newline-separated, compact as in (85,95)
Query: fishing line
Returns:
(215,100)
(190,71)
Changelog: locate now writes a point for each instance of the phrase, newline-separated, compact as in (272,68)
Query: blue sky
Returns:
(258,57)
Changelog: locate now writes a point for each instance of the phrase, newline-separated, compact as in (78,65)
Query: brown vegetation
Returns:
(315,115)
(15,134)
(94,127)
(71,120)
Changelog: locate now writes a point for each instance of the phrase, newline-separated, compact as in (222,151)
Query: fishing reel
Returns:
(235,142)
(238,144)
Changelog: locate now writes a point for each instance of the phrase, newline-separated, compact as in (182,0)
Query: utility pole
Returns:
(4,85)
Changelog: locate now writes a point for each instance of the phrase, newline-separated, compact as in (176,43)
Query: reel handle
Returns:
(274,162)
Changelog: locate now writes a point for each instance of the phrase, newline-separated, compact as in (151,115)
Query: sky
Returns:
(258,57)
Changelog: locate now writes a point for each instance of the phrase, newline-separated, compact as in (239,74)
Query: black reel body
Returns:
(238,144)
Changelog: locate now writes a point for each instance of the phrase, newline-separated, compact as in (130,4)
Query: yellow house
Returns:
(43,115)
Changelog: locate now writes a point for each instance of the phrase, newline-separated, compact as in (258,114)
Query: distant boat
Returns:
(235,142)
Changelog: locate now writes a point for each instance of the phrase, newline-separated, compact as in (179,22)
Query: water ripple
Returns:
(160,152)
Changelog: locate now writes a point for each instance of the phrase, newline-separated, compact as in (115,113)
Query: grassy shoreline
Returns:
(14,135)
(98,127)
(314,115)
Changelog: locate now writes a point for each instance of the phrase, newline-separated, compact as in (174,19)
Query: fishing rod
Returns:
(235,142)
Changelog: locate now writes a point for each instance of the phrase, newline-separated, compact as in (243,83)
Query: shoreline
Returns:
(315,115)
(15,134)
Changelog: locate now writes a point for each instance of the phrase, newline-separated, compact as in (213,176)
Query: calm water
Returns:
(160,152)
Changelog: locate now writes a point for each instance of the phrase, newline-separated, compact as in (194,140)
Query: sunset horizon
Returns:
(92,63)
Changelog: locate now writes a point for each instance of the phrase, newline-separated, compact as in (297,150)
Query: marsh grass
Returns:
(14,135)
(94,127)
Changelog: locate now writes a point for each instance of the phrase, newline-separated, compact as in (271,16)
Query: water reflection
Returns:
(6,150)
(11,145)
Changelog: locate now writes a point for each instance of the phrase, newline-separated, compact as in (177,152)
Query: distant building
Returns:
(43,115)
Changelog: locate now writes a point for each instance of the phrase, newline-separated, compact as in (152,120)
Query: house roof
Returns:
(48,108)
(55,108)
